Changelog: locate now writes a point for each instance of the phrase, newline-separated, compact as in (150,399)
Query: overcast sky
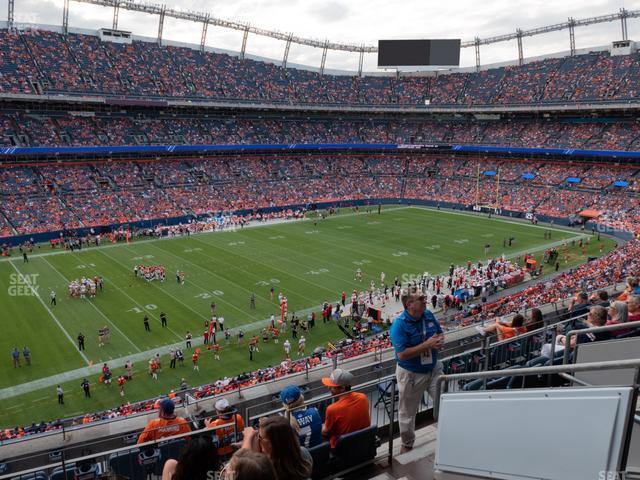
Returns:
(358,21)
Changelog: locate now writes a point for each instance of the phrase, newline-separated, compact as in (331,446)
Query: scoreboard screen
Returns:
(418,53)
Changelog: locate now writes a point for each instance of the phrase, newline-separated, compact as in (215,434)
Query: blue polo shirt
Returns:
(407,331)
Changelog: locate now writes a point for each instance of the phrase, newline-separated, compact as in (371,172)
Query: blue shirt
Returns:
(310,423)
(407,332)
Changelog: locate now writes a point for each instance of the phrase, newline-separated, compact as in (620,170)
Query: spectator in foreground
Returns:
(198,461)
(503,329)
(633,308)
(166,426)
(305,421)
(278,441)
(632,288)
(597,317)
(248,465)
(347,414)
(535,321)
(578,307)
(416,336)
(228,435)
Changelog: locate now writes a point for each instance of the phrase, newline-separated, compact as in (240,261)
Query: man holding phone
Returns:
(416,336)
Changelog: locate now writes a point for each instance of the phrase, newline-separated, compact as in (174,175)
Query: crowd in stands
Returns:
(56,129)
(609,269)
(51,198)
(38,61)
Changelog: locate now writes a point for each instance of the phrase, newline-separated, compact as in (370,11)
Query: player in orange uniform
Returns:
(194,358)
(121,382)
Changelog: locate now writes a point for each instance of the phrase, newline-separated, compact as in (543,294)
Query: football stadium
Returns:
(411,265)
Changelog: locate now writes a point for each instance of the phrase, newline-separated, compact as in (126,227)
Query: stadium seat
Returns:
(171,449)
(134,463)
(354,449)
(86,471)
(320,454)
(32,476)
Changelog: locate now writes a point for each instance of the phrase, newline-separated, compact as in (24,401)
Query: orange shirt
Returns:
(348,414)
(227,436)
(505,332)
(163,427)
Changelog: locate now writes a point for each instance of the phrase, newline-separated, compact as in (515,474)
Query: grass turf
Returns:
(308,263)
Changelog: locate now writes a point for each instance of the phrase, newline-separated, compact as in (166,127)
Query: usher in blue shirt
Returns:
(407,332)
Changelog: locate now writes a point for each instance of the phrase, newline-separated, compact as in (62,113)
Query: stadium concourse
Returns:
(55,186)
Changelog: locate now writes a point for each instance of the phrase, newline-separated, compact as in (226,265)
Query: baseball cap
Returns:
(222,405)
(338,378)
(167,406)
(290,394)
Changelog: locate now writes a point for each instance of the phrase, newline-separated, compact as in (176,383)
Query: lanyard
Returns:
(424,328)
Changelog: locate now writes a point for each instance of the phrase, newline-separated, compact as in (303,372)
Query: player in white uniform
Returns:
(382,278)
(301,343)
(358,275)
(287,348)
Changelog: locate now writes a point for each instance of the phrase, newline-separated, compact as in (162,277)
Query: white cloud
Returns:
(359,21)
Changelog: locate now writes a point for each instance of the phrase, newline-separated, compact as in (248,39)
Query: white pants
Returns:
(411,387)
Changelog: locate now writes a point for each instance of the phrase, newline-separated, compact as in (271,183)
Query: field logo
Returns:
(21,285)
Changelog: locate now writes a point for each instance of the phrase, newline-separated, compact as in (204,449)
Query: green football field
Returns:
(308,263)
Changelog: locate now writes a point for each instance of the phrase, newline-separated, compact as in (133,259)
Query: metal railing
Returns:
(102,460)
(584,331)
(445,381)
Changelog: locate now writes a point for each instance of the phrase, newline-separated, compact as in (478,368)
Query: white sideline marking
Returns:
(55,319)
(96,308)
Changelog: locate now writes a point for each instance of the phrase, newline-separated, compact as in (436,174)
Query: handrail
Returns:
(520,372)
(606,328)
(206,430)
(536,331)
(323,397)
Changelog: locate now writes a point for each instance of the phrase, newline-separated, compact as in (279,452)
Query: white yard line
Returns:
(46,307)
(96,308)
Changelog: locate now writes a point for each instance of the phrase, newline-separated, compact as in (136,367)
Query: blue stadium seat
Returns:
(88,471)
(320,454)
(134,463)
(355,448)
(171,449)
(32,476)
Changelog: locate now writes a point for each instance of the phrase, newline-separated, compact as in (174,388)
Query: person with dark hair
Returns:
(277,439)
(535,321)
(505,330)
(248,465)
(198,461)
(602,299)
(578,307)
(167,425)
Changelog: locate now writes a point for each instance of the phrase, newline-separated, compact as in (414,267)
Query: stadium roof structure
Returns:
(207,19)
